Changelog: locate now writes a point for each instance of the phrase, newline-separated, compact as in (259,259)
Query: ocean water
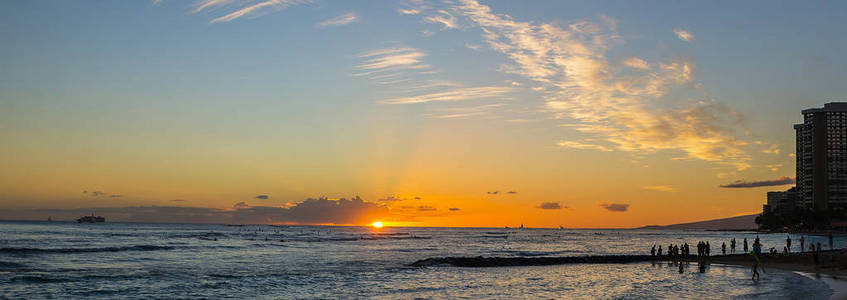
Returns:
(129,260)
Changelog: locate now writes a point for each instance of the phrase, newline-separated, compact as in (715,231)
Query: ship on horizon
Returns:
(91,219)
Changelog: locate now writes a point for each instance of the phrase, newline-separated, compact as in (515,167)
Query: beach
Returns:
(125,260)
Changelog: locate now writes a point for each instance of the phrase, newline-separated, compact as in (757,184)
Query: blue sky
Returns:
(113,93)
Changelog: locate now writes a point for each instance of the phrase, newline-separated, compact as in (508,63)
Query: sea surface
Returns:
(132,260)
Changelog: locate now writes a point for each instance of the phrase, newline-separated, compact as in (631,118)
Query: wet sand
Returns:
(832,263)
(831,267)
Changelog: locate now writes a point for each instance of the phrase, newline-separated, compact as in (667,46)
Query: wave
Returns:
(12,250)
(7,265)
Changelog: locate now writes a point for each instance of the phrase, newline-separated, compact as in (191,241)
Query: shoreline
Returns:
(831,267)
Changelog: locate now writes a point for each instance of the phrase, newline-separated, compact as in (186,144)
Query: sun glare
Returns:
(377,224)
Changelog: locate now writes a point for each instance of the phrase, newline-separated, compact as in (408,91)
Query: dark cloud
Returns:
(454,209)
(512,192)
(177,200)
(494,193)
(417,198)
(115,196)
(97,194)
(391,198)
(309,211)
(753,184)
(262,196)
(550,205)
(426,208)
(615,206)
(240,205)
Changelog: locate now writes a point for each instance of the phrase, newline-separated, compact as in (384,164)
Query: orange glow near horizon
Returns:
(377,224)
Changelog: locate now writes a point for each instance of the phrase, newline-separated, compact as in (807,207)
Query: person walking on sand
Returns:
(745,245)
(723,248)
(788,244)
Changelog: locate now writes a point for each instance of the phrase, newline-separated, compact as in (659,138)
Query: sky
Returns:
(581,114)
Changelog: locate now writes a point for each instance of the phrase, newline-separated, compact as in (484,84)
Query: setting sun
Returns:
(377,224)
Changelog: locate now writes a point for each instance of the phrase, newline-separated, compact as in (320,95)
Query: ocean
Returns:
(132,260)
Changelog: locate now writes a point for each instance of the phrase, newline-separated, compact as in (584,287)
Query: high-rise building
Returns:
(781,203)
(822,158)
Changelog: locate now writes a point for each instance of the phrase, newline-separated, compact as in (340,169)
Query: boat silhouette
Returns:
(91,219)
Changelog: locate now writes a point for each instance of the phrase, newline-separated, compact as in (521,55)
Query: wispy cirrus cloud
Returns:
(255,9)
(339,20)
(683,35)
(627,108)
(661,188)
(404,69)
(583,146)
(391,59)
(444,18)
(408,11)
(464,112)
(458,94)
(762,183)
(201,5)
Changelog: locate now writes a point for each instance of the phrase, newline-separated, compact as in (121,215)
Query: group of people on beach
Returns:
(703,249)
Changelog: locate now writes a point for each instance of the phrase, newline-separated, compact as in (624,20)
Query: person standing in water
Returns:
(732,246)
(653,251)
(830,242)
(757,250)
(788,244)
(708,248)
(723,248)
(802,243)
(745,245)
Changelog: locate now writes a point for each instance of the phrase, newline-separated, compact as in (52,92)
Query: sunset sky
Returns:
(434,113)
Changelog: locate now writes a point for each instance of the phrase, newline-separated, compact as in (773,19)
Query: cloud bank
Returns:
(309,211)
(754,184)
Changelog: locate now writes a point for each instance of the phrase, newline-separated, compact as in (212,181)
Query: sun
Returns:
(377,224)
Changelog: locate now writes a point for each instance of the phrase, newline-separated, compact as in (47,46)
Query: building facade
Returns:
(822,158)
(781,203)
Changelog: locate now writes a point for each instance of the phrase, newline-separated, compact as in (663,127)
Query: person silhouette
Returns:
(802,243)
(723,248)
(745,245)
(659,252)
(732,246)
(831,245)
(788,244)
(653,250)
(708,248)
(757,251)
